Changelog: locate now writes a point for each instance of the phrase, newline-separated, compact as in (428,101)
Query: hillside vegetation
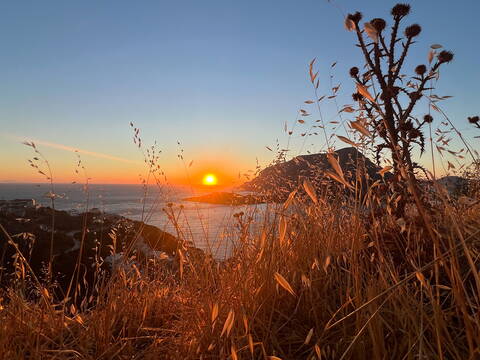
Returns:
(354,259)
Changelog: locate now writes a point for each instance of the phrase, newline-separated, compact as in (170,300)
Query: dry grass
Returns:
(332,277)
(330,282)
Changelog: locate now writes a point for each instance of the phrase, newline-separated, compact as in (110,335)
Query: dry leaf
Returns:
(310,190)
(289,199)
(214,312)
(421,278)
(310,70)
(245,323)
(335,165)
(227,327)
(359,127)
(283,283)
(282,229)
(434,107)
(306,281)
(371,32)
(79,319)
(349,24)
(181,261)
(234,352)
(348,109)
(402,223)
(384,170)
(327,263)
(346,140)
(309,337)
(338,178)
(362,90)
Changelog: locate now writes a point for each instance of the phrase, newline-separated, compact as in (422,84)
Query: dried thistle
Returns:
(445,56)
(421,69)
(428,119)
(356,17)
(390,112)
(354,71)
(400,10)
(473,119)
(413,30)
(379,24)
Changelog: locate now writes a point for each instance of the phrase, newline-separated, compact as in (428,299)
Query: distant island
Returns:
(228,198)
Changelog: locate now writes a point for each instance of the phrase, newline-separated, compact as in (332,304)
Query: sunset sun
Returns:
(209,179)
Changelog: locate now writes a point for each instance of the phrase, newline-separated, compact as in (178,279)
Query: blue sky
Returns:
(220,76)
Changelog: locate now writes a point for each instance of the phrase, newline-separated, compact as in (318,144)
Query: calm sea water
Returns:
(209,227)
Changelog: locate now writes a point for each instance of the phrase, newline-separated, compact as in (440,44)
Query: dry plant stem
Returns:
(339,113)
(402,162)
(52,202)
(475,159)
(41,289)
(364,327)
(315,90)
(410,276)
(388,116)
(432,152)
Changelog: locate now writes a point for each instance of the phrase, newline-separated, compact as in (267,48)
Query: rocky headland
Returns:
(228,198)
(104,241)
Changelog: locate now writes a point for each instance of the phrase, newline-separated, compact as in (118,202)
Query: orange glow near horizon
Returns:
(210,180)
(208,170)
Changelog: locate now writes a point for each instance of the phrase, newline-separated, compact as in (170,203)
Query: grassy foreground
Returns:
(325,280)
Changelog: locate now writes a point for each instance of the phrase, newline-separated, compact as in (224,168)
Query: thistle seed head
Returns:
(413,30)
(400,10)
(356,17)
(445,56)
(357,97)
(421,69)
(415,133)
(473,119)
(379,24)
(428,118)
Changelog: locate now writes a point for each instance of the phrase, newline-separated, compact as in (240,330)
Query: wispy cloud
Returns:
(72,149)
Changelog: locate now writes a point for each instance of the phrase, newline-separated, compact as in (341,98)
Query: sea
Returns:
(210,227)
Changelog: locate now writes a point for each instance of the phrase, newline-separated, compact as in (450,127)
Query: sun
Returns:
(209,180)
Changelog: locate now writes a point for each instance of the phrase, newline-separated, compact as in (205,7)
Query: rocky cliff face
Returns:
(278,180)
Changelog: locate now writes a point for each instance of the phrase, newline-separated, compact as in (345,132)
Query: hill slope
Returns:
(278,180)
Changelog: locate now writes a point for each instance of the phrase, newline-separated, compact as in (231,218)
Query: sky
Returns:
(219,77)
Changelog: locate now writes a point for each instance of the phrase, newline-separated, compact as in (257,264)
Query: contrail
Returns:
(72,149)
